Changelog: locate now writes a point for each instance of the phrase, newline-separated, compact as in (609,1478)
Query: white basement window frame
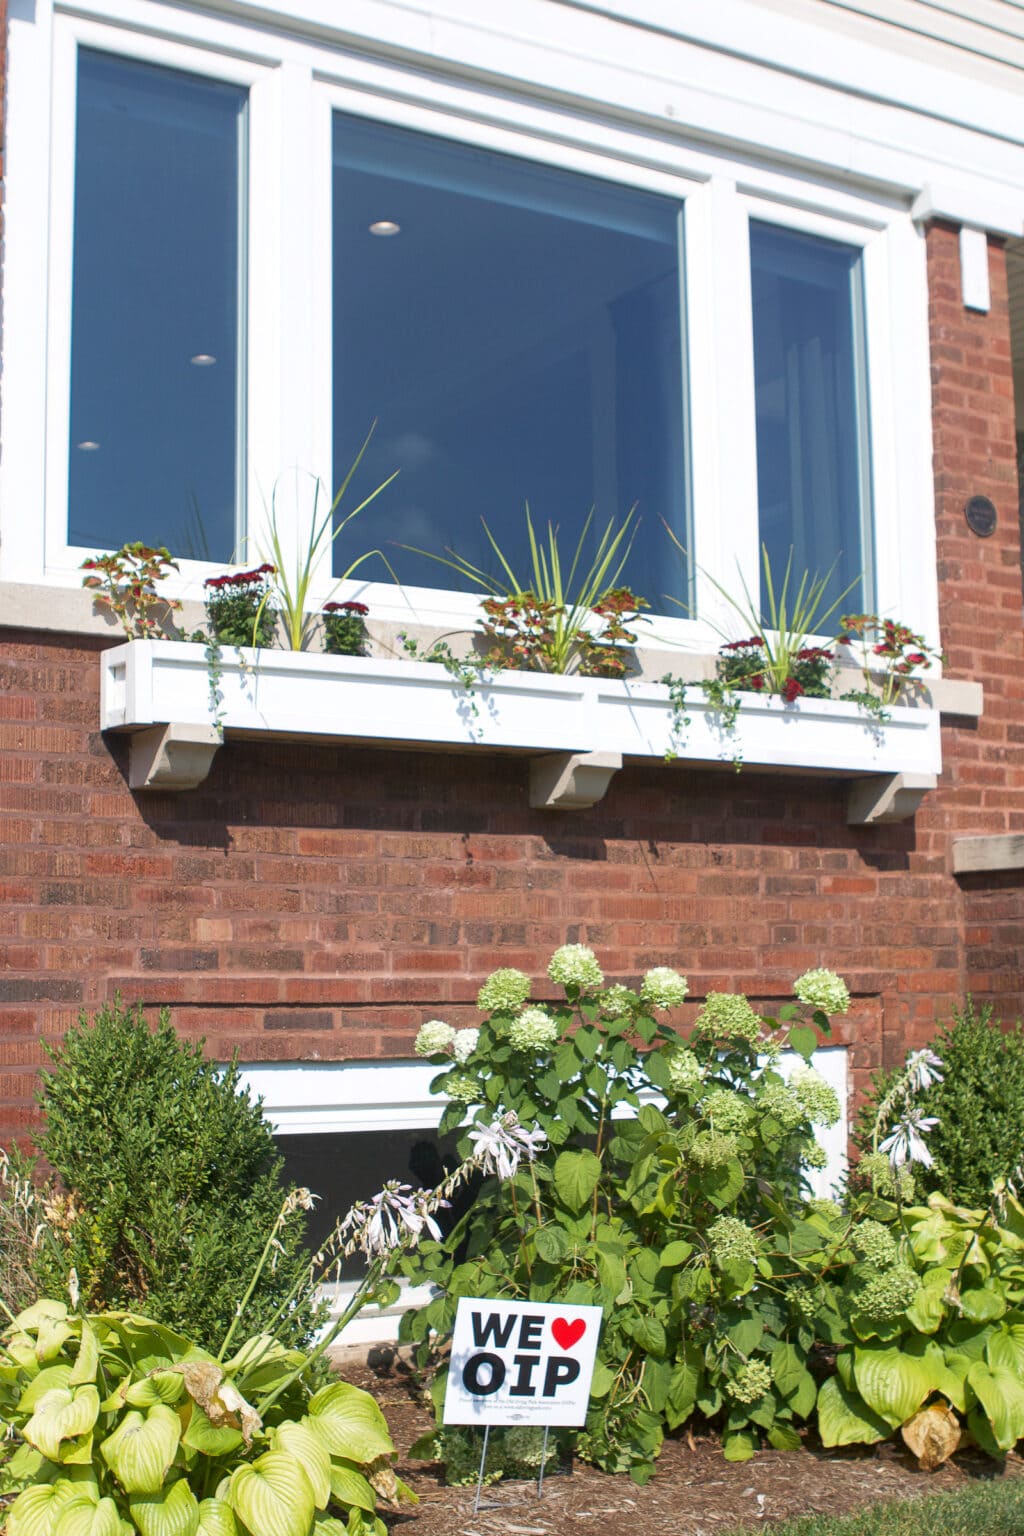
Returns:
(294,84)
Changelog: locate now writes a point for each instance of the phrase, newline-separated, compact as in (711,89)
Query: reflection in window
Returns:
(812,433)
(157,339)
(516,331)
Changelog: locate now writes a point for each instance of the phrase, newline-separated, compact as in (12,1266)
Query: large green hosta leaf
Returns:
(88,1358)
(300,1442)
(216,1518)
(142,1447)
(171,1512)
(349,1423)
(349,1486)
(83,1517)
(894,1382)
(845,1419)
(61,1414)
(1001,1394)
(273,1496)
(53,1376)
(35,1512)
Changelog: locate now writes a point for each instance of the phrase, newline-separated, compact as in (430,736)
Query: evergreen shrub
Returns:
(170,1181)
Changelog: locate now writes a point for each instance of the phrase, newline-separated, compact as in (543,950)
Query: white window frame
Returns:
(295,83)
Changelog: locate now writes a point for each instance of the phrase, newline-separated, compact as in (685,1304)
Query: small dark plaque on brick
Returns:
(981,516)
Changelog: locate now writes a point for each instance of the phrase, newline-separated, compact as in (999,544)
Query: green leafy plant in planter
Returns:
(686,1223)
(125,583)
(237,607)
(290,586)
(776,658)
(345,632)
(891,657)
(543,619)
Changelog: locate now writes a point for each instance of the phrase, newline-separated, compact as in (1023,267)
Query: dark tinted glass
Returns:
(518,339)
(812,435)
(157,345)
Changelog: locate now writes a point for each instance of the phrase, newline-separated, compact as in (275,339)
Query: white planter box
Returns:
(160,683)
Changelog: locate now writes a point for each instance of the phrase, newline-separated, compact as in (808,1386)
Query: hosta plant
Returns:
(685,1220)
(125,1427)
(935,1310)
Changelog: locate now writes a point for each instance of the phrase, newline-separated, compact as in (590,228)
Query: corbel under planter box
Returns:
(576,731)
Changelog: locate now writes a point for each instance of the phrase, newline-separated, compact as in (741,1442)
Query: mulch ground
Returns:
(695,1492)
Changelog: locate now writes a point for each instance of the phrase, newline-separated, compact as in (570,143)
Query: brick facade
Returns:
(318,902)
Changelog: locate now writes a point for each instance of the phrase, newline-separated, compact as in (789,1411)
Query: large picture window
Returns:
(158,336)
(516,330)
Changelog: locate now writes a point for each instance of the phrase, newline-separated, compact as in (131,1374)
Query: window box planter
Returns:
(576,730)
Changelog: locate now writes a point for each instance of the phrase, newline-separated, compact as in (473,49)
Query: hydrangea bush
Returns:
(661,1176)
(663,1180)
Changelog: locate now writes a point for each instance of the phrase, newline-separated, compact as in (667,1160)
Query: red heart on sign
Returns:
(566,1333)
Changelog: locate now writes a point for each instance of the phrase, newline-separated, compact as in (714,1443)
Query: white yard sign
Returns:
(521,1362)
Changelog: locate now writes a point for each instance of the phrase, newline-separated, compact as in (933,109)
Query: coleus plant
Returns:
(126,1427)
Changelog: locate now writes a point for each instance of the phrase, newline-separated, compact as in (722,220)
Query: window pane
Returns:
(156,338)
(812,436)
(518,340)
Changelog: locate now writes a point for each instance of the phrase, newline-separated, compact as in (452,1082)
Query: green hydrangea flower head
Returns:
(684,1070)
(876,1244)
(464,1044)
(783,1105)
(434,1037)
(664,988)
(827,1208)
(728,1015)
(504,991)
(463,1088)
(730,1238)
(804,1304)
(532,1030)
(885,1180)
(751,1382)
(713,1149)
(618,1002)
(819,1101)
(727,1111)
(574,965)
(888,1294)
(823,989)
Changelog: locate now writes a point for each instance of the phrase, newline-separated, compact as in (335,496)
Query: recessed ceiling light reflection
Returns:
(88,446)
(384,228)
(203,360)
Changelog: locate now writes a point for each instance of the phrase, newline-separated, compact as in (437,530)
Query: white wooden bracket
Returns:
(571,781)
(886,797)
(171,756)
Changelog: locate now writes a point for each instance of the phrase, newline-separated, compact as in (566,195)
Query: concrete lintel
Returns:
(571,781)
(171,756)
(986,855)
(886,797)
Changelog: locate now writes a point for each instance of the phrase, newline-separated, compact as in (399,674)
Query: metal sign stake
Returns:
(480,1479)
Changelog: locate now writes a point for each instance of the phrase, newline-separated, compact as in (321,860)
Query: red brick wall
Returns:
(320,902)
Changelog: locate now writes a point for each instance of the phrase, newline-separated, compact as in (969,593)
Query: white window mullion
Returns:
(723,418)
(899,355)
